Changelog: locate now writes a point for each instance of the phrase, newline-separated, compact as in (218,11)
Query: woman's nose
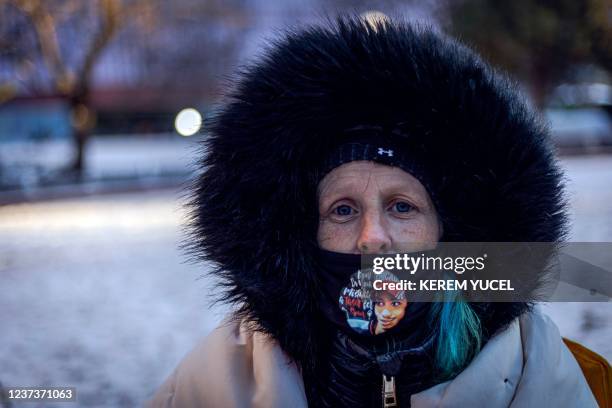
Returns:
(373,237)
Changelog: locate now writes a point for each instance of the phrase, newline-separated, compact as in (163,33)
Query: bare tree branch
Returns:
(110,15)
(44,25)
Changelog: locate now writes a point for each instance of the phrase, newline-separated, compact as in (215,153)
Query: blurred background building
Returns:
(102,106)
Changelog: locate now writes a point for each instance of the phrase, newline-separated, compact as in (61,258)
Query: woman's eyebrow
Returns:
(338,188)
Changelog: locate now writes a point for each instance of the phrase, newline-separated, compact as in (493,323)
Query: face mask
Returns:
(350,302)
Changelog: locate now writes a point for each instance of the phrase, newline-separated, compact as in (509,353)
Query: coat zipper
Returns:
(388,392)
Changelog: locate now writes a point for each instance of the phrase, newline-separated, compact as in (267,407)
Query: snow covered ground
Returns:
(589,184)
(95,293)
(26,165)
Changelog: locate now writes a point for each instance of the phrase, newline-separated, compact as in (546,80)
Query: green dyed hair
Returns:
(459,335)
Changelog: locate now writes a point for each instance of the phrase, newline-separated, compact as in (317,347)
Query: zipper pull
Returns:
(389,397)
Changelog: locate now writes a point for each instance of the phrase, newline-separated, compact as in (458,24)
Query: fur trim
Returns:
(489,167)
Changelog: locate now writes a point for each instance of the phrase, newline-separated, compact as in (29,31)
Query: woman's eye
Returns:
(396,304)
(402,207)
(343,210)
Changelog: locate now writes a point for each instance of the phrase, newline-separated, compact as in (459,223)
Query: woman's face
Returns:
(367,207)
(389,311)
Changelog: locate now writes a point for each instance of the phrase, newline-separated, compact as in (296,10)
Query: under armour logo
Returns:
(382,151)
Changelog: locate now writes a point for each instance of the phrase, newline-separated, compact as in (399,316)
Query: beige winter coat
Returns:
(527,365)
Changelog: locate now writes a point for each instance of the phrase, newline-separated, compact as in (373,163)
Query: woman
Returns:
(389,305)
(390,310)
(360,139)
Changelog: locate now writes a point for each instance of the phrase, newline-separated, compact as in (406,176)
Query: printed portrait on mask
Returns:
(389,305)
(369,311)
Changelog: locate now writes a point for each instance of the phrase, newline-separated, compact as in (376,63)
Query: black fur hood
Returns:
(490,169)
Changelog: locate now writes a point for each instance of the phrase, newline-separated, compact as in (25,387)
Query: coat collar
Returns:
(525,365)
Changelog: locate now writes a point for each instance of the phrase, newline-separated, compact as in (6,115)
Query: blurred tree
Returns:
(163,53)
(538,41)
(31,35)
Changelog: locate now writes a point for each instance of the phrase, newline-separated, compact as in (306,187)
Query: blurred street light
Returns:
(374,18)
(188,122)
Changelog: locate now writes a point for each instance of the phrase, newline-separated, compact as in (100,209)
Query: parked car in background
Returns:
(581,130)
(580,117)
